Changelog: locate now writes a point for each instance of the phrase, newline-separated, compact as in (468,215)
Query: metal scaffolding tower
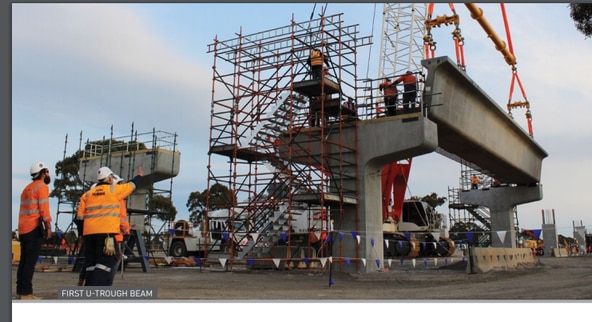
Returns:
(263,99)
(155,151)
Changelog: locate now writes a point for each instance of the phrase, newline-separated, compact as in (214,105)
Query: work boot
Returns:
(28,297)
(80,282)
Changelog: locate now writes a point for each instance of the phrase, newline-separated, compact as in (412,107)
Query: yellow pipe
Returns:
(500,45)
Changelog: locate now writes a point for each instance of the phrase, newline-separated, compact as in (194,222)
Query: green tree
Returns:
(432,199)
(581,13)
(67,184)
(163,207)
(220,198)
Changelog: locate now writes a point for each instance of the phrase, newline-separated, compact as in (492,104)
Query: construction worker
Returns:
(34,225)
(316,61)
(409,89)
(124,229)
(389,91)
(474,182)
(100,212)
(349,110)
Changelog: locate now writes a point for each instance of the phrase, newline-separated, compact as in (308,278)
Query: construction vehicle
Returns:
(196,240)
(417,233)
(219,235)
(530,240)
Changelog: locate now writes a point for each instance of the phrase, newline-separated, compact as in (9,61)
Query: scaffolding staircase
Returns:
(471,218)
(279,164)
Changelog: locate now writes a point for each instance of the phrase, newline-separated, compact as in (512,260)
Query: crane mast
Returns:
(401,49)
(401,45)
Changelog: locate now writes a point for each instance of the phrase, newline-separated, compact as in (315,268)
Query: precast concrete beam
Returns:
(474,128)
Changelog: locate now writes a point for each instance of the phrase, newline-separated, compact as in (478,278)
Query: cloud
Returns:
(93,58)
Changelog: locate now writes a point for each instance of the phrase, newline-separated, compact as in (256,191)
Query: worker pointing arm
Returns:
(100,212)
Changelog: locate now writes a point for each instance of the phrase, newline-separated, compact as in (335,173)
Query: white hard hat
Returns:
(38,166)
(103,173)
(117,179)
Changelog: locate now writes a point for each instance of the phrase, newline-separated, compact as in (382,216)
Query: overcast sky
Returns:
(84,68)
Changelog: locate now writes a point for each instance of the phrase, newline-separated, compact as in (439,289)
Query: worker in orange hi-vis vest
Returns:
(389,91)
(124,229)
(34,225)
(409,89)
(100,213)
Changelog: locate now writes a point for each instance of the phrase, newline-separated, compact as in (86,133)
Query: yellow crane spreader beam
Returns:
(500,45)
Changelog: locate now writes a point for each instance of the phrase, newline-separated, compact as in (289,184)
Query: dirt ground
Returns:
(555,279)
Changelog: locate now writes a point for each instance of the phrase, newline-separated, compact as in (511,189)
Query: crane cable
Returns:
(370,51)
(430,44)
(516,78)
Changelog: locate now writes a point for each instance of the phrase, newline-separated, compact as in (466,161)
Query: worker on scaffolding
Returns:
(349,110)
(390,93)
(409,90)
(317,61)
(474,182)
(99,210)
(316,116)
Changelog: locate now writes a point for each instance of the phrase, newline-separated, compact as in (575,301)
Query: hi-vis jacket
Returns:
(34,205)
(408,81)
(388,88)
(100,208)
(316,58)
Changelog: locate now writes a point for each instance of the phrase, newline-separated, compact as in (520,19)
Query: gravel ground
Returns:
(555,279)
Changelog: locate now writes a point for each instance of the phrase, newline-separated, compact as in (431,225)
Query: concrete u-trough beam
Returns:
(471,126)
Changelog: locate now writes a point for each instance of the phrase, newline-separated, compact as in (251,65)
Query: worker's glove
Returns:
(109,248)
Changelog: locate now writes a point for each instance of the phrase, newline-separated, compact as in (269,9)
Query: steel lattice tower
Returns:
(401,45)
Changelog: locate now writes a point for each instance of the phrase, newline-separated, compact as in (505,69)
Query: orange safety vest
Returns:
(408,81)
(34,205)
(387,88)
(100,208)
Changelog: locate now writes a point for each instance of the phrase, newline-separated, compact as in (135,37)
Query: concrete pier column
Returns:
(380,142)
(501,202)
(137,200)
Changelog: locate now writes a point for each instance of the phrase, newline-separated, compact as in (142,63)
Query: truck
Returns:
(216,234)
(212,236)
